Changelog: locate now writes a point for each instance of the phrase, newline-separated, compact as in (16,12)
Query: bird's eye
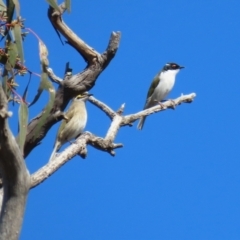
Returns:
(174,66)
(166,67)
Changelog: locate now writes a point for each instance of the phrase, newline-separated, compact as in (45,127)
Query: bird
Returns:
(74,122)
(160,87)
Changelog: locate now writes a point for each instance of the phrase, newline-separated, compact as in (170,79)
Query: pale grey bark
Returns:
(71,85)
(104,144)
(15,178)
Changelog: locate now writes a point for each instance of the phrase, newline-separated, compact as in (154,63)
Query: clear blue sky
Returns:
(179,178)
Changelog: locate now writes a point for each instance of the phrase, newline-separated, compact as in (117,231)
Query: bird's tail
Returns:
(141,123)
(53,152)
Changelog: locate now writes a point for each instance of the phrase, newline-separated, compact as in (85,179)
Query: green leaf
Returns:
(54,5)
(44,85)
(10,12)
(43,52)
(13,53)
(46,112)
(8,66)
(23,121)
(17,6)
(18,39)
(68,5)
(26,89)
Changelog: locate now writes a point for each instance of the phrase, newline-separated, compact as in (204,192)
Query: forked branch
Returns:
(71,85)
(104,144)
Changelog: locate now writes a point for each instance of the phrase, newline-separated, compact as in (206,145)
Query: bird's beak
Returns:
(87,94)
(181,67)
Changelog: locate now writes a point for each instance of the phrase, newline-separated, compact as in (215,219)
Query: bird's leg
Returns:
(173,103)
(162,106)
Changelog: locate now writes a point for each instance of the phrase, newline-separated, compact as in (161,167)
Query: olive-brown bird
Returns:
(73,124)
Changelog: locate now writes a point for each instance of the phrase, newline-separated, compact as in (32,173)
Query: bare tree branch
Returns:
(109,112)
(71,85)
(79,147)
(76,148)
(168,104)
(88,53)
(16,179)
(14,176)
(53,77)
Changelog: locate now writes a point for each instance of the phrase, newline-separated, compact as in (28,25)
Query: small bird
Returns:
(161,85)
(74,122)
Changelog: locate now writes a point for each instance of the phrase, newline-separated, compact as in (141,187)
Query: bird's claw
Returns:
(162,106)
(173,104)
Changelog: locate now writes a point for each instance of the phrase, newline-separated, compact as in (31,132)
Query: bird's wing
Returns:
(69,114)
(154,84)
(60,130)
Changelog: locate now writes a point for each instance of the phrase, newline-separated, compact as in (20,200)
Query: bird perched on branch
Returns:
(74,122)
(161,85)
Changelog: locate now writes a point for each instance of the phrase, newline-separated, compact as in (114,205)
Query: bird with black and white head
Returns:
(160,87)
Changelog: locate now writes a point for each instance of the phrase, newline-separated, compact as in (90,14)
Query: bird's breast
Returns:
(165,85)
(75,126)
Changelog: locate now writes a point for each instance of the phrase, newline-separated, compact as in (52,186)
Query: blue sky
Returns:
(178,178)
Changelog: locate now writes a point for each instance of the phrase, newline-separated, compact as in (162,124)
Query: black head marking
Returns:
(171,66)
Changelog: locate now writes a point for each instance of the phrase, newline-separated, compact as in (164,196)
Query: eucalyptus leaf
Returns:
(45,84)
(46,112)
(13,53)
(10,12)
(26,89)
(40,88)
(23,122)
(53,4)
(17,6)
(43,52)
(18,39)
(68,5)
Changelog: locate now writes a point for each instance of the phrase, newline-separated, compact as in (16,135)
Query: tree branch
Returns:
(76,148)
(53,77)
(168,104)
(16,179)
(109,112)
(88,53)
(71,85)
(79,147)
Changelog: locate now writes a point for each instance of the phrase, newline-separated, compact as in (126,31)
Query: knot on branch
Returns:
(102,144)
(121,109)
(83,152)
(4,113)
